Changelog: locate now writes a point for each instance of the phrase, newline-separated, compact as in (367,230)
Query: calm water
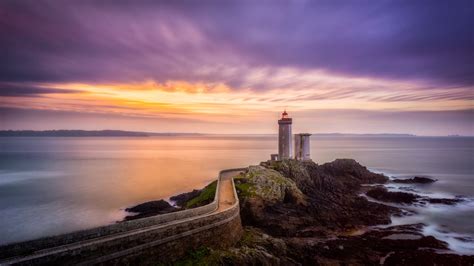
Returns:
(57,185)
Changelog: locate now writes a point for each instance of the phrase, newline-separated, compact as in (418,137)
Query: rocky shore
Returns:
(297,212)
(193,199)
(382,194)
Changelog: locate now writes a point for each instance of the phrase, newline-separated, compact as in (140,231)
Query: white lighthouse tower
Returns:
(284,137)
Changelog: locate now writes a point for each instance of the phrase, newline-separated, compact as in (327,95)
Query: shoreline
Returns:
(388,233)
(294,198)
(421,211)
(121,239)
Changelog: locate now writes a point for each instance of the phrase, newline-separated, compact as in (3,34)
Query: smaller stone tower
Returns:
(284,137)
(302,147)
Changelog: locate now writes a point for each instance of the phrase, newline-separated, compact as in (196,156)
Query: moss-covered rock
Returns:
(255,248)
(200,257)
(302,198)
(269,185)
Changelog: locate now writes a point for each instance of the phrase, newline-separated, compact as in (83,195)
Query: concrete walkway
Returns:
(226,191)
(226,201)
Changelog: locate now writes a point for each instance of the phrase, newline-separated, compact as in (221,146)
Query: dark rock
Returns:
(371,248)
(444,201)
(183,198)
(199,198)
(382,194)
(255,248)
(326,198)
(426,257)
(301,213)
(334,177)
(415,180)
(149,209)
(343,168)
(465,238)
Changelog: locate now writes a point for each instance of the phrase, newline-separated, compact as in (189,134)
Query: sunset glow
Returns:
(175,74)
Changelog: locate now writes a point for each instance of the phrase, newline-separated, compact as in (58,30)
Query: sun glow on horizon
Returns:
(298,90)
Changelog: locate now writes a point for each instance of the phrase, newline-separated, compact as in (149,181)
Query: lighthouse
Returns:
(302,148)
(284,137)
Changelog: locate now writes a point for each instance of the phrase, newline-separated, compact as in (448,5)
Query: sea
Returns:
(55,185)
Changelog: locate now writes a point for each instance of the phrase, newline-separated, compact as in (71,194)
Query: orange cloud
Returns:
(286,87)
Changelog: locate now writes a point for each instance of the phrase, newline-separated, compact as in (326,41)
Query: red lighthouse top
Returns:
(285,120)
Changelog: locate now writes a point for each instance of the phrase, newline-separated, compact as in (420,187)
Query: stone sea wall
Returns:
(65,239)
(159,238)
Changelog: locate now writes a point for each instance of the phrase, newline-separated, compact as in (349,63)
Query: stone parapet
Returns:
(127,240)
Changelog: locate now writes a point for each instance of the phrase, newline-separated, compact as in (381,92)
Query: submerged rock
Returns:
(415,180)
(444,201)
(382,194)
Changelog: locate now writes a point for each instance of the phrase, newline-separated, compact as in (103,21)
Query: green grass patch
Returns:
(244,189)
(195,257)
(248,238)
(205,197)
(204,257)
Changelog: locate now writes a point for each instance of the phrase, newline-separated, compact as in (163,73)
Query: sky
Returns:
(234,66)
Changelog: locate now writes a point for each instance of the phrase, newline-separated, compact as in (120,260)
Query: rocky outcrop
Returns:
(382,194)
(298,213)
(149,209)
(444,201)
(396,245)
(182,198)
(259,248)
(255,248)
(371,248)
(267,198)
(348,169)
(339,176)
(415,180)
(269,185)
(188,200)
(303,198)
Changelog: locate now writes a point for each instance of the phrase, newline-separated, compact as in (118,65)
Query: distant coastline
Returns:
(84,133)
(123,133)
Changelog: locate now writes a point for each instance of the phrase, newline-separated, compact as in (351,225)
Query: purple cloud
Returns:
(49,41)
(21,90)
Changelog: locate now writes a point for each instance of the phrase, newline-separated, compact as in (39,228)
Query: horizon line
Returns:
(242,134)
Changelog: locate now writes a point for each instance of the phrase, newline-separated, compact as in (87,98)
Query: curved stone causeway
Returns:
(162,237)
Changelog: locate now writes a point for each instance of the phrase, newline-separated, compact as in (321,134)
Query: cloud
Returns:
(425,123)
(26,90)
(129,41)
(236,60)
